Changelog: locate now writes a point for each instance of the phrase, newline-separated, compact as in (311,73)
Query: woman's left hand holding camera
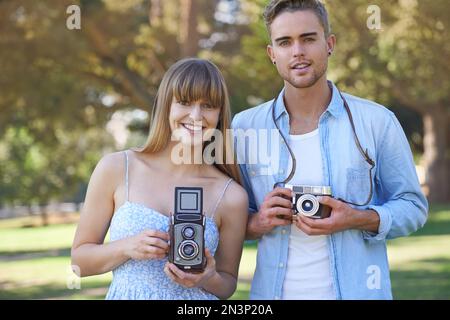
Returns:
(192,280)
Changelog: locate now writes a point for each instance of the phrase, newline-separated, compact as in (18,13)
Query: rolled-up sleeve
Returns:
(402,207)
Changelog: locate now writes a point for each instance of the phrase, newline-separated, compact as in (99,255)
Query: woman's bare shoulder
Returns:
(106,177)
(111,167)
(236,195)
(233,190)
(234,204)
(112,162)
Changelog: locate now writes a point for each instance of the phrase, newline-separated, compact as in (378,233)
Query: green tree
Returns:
(60,87)
(404,63)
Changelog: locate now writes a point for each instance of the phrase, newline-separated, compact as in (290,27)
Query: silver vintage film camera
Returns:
(305,200)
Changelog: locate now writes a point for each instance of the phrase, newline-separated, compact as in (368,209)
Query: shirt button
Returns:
(252,173)
(277,298)
(281,265)
(283,231)
(281,171)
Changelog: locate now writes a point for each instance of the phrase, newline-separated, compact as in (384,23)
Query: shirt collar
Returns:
(335,107)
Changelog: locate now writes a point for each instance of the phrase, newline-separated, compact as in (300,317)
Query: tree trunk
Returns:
(44,216)
(189,36)
(155,13)
(436,158)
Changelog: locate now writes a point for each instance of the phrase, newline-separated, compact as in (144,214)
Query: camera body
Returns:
(187,228)
(305,200)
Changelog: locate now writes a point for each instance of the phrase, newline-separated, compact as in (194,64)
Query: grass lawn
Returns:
(35,263)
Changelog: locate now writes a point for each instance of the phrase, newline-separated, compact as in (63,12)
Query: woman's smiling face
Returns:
(190,120)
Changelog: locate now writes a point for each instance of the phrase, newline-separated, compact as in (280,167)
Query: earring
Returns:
(329,53)
(274,62)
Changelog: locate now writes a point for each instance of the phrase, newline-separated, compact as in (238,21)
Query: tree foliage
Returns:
(60,87)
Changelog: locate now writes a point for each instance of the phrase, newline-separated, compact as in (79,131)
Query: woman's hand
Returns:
(149,244)
(192,280)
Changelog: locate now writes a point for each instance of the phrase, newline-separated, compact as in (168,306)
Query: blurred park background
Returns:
(69,95)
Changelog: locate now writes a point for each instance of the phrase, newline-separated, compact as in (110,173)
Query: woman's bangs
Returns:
(197,83)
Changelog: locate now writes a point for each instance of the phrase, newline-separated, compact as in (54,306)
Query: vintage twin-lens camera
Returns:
(305,202)
(187,242)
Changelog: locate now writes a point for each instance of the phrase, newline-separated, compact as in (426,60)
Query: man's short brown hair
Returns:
(276,7)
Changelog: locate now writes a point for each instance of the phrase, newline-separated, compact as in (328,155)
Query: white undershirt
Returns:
(308,274)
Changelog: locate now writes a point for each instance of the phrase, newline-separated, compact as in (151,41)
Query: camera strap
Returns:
(365,154)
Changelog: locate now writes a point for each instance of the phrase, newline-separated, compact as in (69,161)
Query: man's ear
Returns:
(271,54)
(331,43)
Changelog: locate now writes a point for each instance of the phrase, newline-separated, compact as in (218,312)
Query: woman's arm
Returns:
(233,213)
(89,254)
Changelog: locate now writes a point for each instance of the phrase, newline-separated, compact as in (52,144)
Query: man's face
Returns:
(299,48)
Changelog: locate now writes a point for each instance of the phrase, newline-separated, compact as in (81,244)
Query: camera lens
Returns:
(188,250)
(307,205)
(188,232)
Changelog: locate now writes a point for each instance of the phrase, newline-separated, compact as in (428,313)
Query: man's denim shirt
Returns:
(358,259)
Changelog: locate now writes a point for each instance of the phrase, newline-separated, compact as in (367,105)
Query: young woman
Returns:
(131,193)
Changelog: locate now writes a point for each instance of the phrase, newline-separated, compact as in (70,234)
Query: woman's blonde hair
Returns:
(192,80)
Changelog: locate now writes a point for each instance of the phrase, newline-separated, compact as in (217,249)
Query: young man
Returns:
(352,146)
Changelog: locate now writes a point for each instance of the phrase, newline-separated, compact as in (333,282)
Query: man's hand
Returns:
(276,210)
(343,217)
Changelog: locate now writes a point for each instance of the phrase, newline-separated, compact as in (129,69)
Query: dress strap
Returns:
(220,197)
(126,174)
